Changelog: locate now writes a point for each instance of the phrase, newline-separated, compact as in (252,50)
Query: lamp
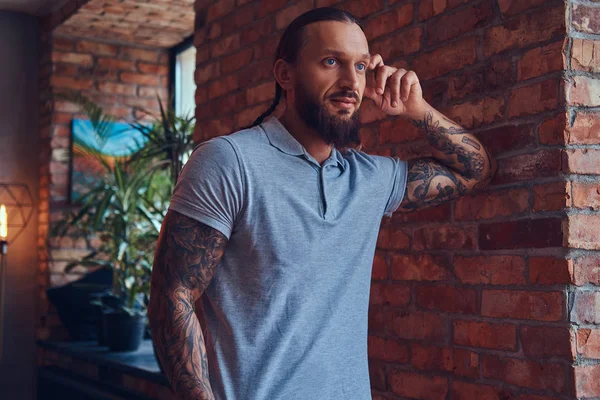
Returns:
(16,208)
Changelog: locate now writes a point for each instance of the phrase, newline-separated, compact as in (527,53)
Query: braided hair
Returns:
(293,40)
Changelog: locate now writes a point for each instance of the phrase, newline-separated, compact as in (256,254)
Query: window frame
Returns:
(173,53)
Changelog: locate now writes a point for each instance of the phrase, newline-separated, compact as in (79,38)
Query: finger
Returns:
(409,80)
(376,61)
(382,75)
(371,93)
(395,82)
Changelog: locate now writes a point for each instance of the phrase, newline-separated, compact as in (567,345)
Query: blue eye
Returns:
(361,67)
(327,61)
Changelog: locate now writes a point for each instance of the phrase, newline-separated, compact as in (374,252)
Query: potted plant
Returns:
(120,209)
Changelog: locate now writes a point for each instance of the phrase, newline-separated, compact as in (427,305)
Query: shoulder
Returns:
(363,160)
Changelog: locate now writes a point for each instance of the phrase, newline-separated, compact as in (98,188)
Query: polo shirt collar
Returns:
(279,137)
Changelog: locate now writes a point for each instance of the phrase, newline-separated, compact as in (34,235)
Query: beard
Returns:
(333,129)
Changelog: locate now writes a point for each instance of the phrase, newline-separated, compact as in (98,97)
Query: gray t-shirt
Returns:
(286,310)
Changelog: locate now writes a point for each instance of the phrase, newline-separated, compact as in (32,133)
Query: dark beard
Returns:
(341,133)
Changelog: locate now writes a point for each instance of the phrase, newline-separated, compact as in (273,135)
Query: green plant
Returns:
(125,210)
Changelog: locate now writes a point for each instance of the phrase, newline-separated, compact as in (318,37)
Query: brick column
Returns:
(582,167)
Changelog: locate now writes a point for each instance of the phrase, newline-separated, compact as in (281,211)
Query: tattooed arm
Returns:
(185,260)
(459,164)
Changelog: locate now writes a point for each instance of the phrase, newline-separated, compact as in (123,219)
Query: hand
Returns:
(395,91)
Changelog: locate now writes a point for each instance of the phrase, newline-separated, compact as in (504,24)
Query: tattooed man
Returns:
(273,228)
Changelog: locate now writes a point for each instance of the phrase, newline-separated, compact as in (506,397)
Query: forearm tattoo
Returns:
(186,257)
(459,165)
(469,163)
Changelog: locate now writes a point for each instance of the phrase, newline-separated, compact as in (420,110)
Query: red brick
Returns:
(461,21)
(585,128)
(113,63)
(398,131)
(439,213)
(117,88)
(585,309)
(62,44)
(132,53)
(584,91)
(587,381)
(96,48)
(387,350)
(444,237)
(391,238)
(540,342)
(376,320)
(392,294)
(507,138)
(446,58)
(536,397)
(258,30)
(494,270)
(583,231)
(140,79)
(513,7)
(460,362)
(84,60)
(525,30)
(226,45)
(497,73)
(269,6)
(419,268)
(552,196)
(361,8)
(588,342)
(485,335)
(539,306)
(492,205)
(248,115)
(418,386)
(526,167)
(534,98)
(389,22)
(471,391)
(398,45)
(541,61)
(585,55)
(476,113)
(222,86)
(207,72)
(260,93)
(525,373)
(154,69)
(288,14)
(417,325)
(587,270)
(71,83)
(218,127)
(229,103)
(219,9)
(431,8)
(521,234)
(380,268)
(378,376)
(65,69)
(369,112)
(585,18)
(236,61)
(552,131)
(550,271)
(448,299)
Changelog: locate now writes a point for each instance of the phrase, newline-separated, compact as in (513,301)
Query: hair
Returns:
(293,40)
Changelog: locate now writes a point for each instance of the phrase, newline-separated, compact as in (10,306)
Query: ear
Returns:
(284,75)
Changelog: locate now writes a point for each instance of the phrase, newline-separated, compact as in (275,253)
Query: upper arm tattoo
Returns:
(187,255)
(430,183)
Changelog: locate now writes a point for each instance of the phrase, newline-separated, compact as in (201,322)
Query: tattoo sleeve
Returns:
(459,164)
(185,260)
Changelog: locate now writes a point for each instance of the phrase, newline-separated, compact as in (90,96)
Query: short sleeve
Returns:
(210,186)
(398,182)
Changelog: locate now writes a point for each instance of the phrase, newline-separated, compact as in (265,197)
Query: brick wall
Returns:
(493,296)
(582,167)
(118,77)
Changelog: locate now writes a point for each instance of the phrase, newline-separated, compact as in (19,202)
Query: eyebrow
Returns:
(338,53)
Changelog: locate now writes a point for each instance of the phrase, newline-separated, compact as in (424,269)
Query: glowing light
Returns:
(3,222)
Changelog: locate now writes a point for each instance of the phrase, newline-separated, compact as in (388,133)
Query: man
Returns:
(277,229)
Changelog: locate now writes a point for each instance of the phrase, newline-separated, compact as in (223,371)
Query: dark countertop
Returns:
(140,363)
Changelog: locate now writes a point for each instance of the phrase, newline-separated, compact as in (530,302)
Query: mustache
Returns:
(352,95)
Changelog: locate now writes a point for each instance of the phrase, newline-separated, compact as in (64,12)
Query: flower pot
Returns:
(123,332)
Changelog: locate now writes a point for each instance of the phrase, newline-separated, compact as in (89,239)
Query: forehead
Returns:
(343,37)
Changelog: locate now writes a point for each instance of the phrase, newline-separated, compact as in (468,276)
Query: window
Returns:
(184,88)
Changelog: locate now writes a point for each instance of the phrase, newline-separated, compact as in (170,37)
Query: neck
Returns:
(307,136)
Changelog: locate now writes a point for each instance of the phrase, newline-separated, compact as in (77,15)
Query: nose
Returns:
(349,79)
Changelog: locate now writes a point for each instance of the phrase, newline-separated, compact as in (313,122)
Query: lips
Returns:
(344,102)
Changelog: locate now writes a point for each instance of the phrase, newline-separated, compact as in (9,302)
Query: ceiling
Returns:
(34,7)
